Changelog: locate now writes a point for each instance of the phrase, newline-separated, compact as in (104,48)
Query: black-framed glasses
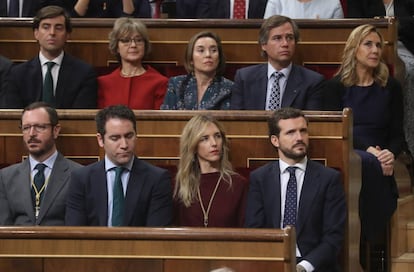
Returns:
(128,41)
(37,127)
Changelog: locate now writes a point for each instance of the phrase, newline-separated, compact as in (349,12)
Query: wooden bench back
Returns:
(158,142)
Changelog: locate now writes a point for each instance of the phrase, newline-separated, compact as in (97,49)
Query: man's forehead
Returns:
(54,20)
(292,122)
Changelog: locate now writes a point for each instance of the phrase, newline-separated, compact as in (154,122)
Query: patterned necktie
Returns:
(118,199)
(14,8)
(239,9)
(48,84)
(38,186)
(291,199)
(275,101)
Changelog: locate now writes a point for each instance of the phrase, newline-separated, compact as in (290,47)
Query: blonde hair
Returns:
(189,172)
(347,70)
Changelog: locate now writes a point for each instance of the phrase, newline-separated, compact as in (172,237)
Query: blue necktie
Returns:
(14,8)
(291,199)
(275,101)
(48,84)
(118,199)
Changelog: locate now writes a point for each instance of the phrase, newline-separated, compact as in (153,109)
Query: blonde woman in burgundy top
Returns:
(207,192)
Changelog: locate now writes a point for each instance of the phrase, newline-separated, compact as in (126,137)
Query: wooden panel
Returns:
(89,40)
(158,143)
(85,249)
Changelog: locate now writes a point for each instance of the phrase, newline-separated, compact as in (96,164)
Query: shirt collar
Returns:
(284,71)
(109,164)
(57,60)
(49,161)
(301,165)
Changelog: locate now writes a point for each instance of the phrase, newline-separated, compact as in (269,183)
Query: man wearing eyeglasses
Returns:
(52,76)
(33,192)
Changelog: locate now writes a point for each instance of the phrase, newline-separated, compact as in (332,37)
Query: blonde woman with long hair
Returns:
(363,83)
(207,192)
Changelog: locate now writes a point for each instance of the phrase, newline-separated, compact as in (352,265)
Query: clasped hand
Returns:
(385,157)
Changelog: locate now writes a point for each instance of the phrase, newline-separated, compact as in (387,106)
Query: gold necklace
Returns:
(135,72)
(37,195)
(205,213)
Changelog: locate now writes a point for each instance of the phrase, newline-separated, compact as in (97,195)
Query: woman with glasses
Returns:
(132,84)
(204,87)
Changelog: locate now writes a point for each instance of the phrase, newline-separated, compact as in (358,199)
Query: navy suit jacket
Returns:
(216,8)
(30,7)
(303,89)
(148,199)
(76,87)
(321,218)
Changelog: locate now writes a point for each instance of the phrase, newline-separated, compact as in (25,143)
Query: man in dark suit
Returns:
(30,7)
(74,81)
(299,87)
(140,196)
(21,202)
(5,65)
(216,9)
(319,198)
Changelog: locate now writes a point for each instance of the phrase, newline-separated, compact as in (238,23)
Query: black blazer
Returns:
(148,198)
(30,7)
(333,93)
(321,218)
(76,87)
(403,9)
(216,9)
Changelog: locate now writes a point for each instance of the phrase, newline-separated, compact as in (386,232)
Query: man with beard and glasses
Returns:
(33,192)
(299,192)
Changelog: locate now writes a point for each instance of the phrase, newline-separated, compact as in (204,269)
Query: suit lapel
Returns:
(309,190)
(99,186)
(136,181)
(57,180)
(292,87)
(3,8)
(37,85)
(23,180)
(273,191)
(63,79)
(261,90)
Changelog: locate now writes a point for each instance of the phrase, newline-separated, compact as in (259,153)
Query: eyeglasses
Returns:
(128,41)
(37,127)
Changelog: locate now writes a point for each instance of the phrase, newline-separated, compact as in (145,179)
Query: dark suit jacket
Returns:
(16,205)
(5,65)
(321,215)
(333,94)
(30,7)
(403,9)
(148,198)
(76,87)
(303,89)
(216,8)
(113,9)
